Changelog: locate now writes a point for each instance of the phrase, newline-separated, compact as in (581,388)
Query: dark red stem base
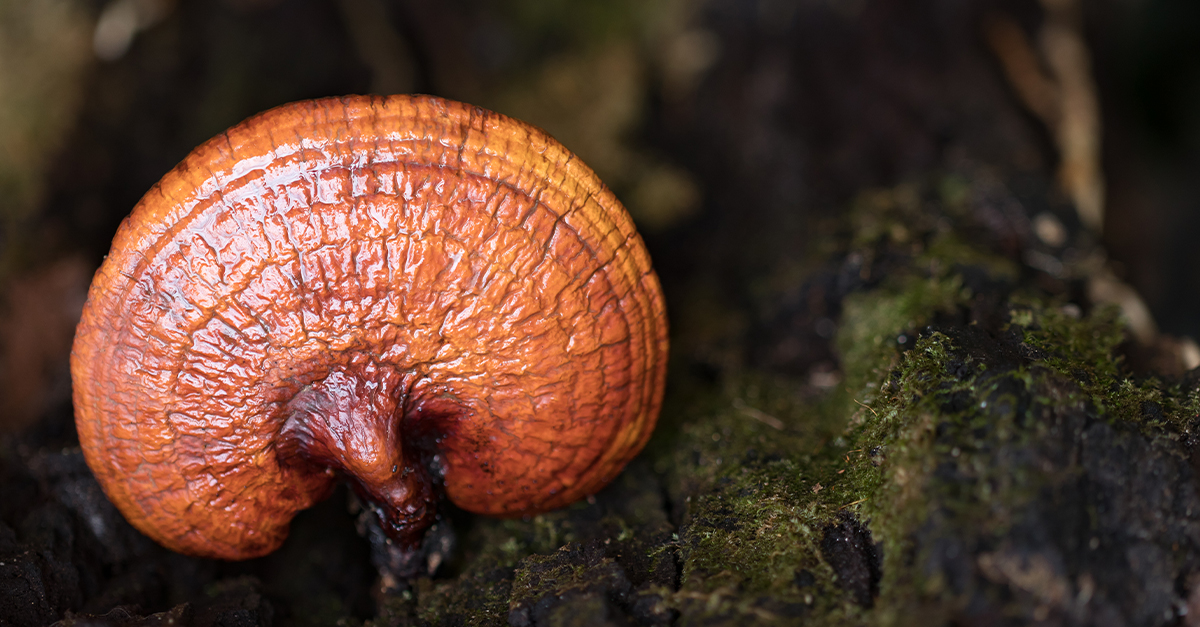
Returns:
(350,422)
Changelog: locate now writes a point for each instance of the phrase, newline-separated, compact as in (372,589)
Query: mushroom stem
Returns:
(414,293)
(349,422)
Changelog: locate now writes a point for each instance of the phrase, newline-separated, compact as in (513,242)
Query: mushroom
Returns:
(412,293)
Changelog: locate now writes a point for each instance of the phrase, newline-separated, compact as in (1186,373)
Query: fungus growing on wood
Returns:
(416,294)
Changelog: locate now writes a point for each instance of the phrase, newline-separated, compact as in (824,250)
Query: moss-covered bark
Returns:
(983,454)
(908,416)
(980,455)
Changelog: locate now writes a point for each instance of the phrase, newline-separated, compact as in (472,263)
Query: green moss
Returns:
(941,430)
(477,598)
(878,321)
(931,428)
(952,432)
(766,464)
(480,594)
(916,233)
(1085,350)
(744,465)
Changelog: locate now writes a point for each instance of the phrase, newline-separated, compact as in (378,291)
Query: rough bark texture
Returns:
(889,402)
(984,459)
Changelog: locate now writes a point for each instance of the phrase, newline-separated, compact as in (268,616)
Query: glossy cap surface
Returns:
(474,278)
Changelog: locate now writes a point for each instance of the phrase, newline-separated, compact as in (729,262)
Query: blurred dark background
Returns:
(730,128)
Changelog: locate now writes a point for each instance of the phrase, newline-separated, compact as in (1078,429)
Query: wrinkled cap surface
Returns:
(455,276)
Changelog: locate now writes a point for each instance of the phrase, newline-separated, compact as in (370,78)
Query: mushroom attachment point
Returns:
(418,295)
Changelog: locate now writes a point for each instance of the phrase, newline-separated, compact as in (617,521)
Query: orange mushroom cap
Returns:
(407,291)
